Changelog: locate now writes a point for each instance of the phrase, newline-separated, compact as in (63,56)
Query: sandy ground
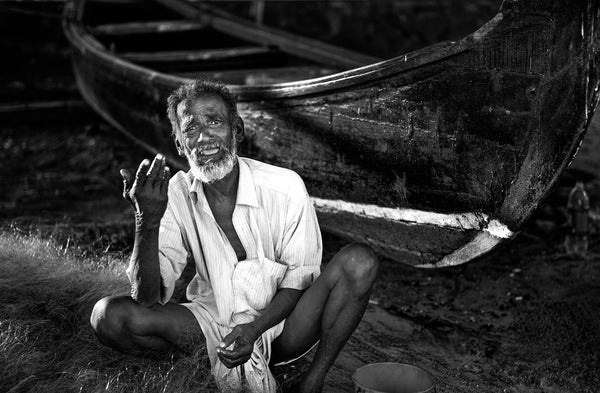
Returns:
(524,319)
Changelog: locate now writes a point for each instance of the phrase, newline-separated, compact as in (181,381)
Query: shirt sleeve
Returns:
(301,246)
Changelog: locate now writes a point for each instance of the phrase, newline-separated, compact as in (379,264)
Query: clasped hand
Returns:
(242,337)
(147,193)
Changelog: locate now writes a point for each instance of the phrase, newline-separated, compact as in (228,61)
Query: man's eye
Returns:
(214,122)
(191,128)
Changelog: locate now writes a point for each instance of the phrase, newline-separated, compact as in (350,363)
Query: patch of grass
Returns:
(46,344)
(563,340)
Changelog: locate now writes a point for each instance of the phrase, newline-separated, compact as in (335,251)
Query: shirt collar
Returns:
(246,192)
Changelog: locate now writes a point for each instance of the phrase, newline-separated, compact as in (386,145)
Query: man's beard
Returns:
(214,170)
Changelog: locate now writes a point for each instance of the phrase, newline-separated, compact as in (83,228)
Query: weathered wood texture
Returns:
(481,127)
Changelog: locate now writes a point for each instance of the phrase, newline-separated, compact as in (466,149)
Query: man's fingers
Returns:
(140,176)
(228,348)
(225,361)
(126,175)
(127,183)
(157,167)
(233,363)
(227,341)
(223,353)
(165,179)
(237,353)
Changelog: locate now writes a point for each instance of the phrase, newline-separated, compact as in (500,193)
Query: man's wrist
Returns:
(256,329)
(143,224)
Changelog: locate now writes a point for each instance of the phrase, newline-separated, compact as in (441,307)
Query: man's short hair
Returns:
(194,90)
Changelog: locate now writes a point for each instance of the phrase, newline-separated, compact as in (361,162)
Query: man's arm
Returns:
(280,307)
(243,336)
(148,197)
(144,266)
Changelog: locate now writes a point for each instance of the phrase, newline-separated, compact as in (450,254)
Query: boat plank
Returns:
(290,43)
(197,55)
(260,76)
(41,106)
(159,26)
(42,2)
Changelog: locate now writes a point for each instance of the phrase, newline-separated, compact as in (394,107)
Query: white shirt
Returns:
(275,222)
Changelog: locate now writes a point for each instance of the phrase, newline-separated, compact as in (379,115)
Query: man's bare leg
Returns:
(121,323)
(329,310)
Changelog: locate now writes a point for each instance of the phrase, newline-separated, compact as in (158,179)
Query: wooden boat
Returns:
(433,158)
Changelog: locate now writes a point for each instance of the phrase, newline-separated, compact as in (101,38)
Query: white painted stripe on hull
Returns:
(482,243)
(499,230)
(464,221)
(492,232)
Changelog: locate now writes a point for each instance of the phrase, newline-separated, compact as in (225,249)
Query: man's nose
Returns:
(203,135)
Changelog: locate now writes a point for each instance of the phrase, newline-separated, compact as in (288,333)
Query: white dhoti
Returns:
(259,378)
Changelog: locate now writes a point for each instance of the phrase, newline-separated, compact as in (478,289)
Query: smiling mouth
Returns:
(208,150)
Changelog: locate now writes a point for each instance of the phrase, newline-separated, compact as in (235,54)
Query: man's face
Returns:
(206,137)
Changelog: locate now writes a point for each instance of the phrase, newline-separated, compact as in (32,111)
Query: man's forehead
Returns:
(205,103)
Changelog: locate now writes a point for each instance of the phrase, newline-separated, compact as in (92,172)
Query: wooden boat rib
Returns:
(146,27)
(234,54)
(433,158)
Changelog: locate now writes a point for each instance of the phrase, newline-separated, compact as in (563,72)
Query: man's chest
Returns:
(222,211)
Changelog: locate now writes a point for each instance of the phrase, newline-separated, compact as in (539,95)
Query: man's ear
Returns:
(239,129)
(178,146)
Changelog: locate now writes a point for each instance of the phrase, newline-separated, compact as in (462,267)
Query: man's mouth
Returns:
(208,150)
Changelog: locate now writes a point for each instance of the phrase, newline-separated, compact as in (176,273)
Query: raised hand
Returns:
(236,348)
(147,193)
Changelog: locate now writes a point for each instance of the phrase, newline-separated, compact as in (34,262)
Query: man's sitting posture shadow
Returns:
(259,297)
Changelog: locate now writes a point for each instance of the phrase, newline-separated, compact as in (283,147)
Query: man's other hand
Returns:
(147,193)
(236,348)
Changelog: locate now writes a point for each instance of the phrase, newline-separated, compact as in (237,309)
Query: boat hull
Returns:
(433,158)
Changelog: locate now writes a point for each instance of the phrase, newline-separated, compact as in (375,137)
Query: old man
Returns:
(260,296)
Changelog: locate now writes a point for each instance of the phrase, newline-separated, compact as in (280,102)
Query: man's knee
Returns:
(112,318)
(360,264)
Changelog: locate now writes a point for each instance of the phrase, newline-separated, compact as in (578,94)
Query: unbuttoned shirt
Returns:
(276,223)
